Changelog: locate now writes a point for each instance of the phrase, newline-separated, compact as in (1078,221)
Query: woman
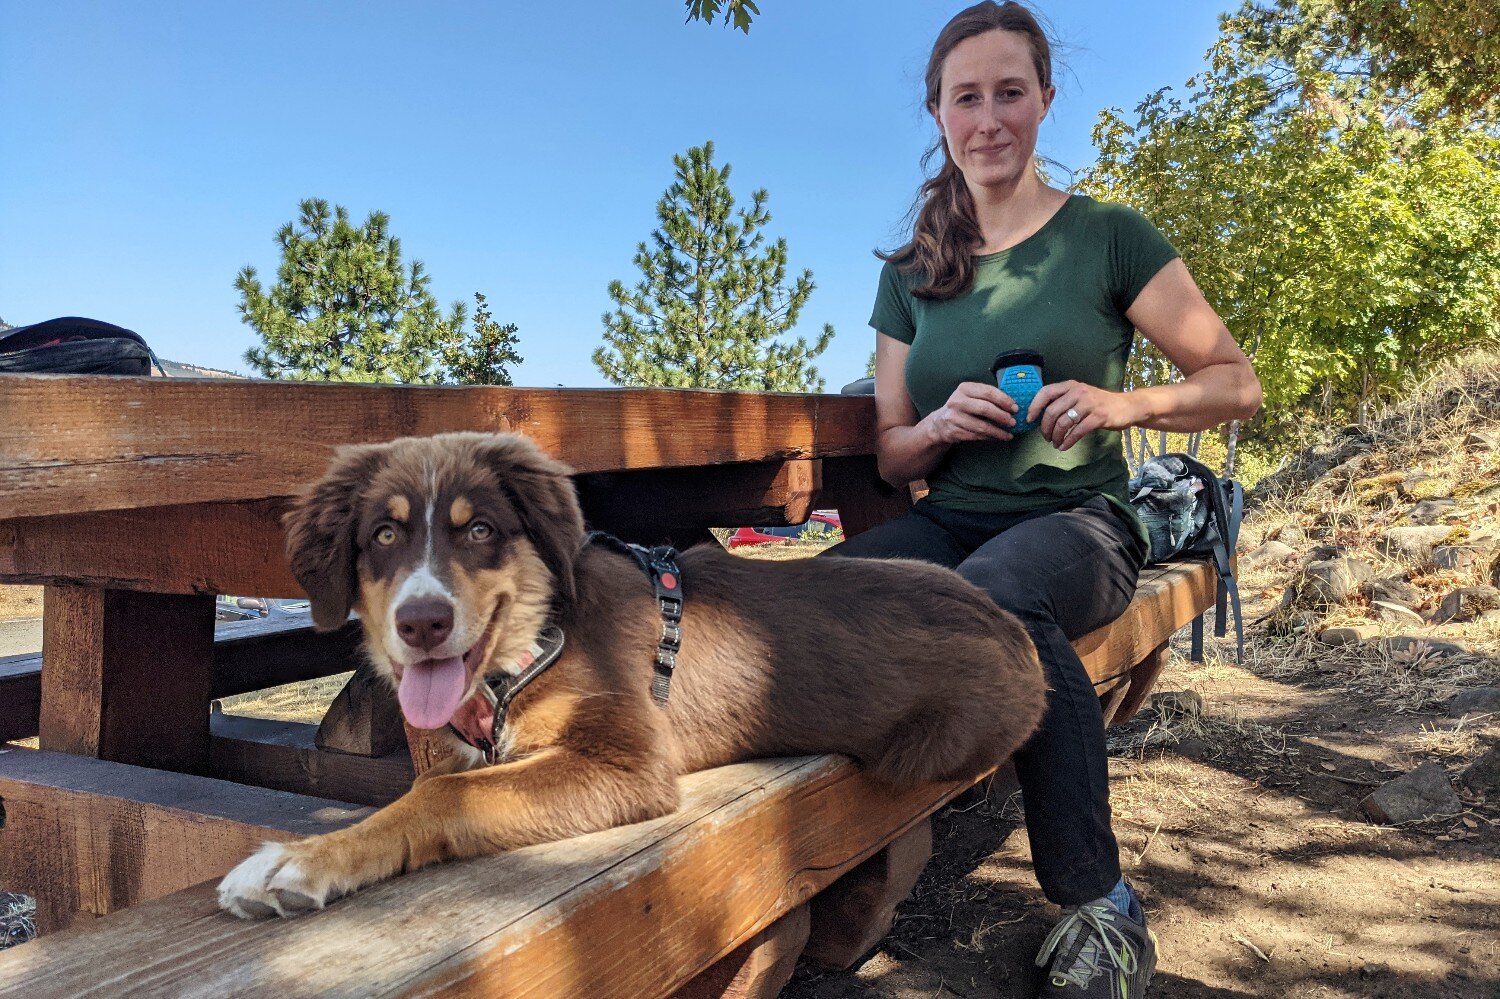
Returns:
(999,261)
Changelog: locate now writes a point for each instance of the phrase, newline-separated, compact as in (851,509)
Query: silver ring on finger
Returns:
(1072,414)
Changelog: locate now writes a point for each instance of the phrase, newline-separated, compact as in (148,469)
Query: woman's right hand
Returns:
(975,411)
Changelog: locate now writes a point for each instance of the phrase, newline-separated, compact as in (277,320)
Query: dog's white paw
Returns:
(244,890)
(296,888)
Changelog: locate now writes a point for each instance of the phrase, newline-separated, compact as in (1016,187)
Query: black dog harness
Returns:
(660,566)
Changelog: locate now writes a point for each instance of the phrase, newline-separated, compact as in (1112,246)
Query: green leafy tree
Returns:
(736,12)
(1347,239)
(1430,54)
(345,307)
(486,356)
(712,300)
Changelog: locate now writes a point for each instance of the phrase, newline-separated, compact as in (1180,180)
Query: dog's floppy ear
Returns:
(320,534)
(541,489)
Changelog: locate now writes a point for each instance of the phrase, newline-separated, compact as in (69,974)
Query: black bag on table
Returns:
(74,346)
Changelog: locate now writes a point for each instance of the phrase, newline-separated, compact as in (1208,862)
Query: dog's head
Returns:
(451,548)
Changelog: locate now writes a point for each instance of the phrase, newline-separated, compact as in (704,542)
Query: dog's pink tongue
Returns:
(432,690)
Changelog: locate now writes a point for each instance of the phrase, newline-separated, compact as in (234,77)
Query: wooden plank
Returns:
(1142,679)
(751,842)
(127,676)
(282,755)
(649,507)
(75,444)
(364,719)
(854,487)
(279,653)
(247,656)
(20,696)
(760,967)
(240,547)
(87,837)
(856,912)
(1167,598)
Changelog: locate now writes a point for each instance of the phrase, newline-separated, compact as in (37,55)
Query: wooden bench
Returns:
(124,812)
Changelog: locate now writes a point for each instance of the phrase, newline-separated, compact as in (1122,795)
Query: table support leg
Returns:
(126,676)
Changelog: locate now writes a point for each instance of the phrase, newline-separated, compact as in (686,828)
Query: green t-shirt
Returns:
(1061,292)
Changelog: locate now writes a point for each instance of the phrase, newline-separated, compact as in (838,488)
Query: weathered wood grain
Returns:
(751,842)
(760,967)
(856,912)
(240,547)
(75,444)
(115,835)
(282,755)
(364,719)
(247,656)
(1167,598)
(127,676)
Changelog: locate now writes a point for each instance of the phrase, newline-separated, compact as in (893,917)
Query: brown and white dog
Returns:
(454,550)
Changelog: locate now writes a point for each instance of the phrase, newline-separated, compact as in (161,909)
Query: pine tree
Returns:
(712,302)
(344,307)
(486,356)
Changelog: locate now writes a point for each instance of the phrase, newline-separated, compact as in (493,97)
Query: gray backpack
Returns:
(1190,512)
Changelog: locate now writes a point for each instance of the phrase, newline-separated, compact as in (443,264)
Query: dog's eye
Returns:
(385,536)
(480,531)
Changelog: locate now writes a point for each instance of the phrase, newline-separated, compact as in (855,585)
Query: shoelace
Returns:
(1106,938)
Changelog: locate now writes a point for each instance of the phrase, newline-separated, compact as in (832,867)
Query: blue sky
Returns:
(153,149)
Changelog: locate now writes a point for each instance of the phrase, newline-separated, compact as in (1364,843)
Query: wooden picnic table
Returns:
(135,501)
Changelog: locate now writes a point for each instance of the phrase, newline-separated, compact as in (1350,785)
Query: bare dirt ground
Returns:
(1241,830)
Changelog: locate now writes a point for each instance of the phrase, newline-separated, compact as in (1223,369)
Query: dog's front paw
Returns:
(244,890)
(274,881)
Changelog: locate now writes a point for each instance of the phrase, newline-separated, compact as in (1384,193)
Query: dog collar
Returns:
(479,720)
(660,566)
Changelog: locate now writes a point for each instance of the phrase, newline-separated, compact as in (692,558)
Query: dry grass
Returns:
(17,602)
(1352,506)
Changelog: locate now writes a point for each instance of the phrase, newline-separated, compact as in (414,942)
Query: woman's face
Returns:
(990,106)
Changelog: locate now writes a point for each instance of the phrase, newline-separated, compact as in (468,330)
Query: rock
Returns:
(1170,704)
(1481,440)
(1271,551)
(1335,581)
(1290,534)
(1425,791)
(1429,511)
(1478,701)
(1390,610)
(1355,468)
(1348,636)
(1430,646)
(1460,558)
(1408,487)
(1396,590)
(1324,553)
(1466,604)
(1413,542)
(1483,775)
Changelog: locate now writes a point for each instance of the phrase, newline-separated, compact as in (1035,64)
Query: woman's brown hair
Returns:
(947,229)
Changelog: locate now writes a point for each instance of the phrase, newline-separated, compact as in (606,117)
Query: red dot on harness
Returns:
(526,660)
(668,581)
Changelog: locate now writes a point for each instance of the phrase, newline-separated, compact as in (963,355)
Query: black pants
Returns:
(1063,573)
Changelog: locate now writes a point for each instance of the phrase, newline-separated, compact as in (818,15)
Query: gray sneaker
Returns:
(1098,953)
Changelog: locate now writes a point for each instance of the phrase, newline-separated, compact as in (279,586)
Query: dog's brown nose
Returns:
(424,624)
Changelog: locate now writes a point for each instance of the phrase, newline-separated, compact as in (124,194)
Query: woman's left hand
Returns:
(1070,411)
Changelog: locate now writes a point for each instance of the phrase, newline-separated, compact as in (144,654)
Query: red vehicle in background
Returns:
(822,523)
